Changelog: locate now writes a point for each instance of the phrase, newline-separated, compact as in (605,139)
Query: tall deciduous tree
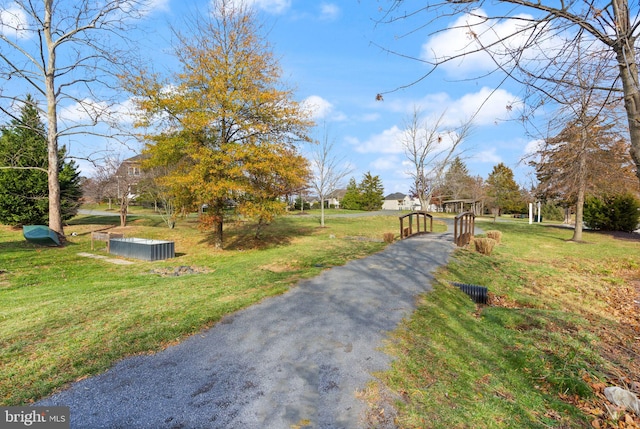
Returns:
(589,152)
(24,193)
(224,124)
(478,194)
(429,149)
(62,50)
(328,171)
(543,42)
(586,158)
(273,171)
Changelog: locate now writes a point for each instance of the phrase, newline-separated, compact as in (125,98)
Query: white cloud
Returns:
(158,5)
(389,141)
(14,23)
(329,11)
(320,108)
(88,111)
(83,111)
(533,146)
(484,107)
(274,7)
(491,107)
(125,112)
(531,151)
(488,156)
(462,42)
(386,163)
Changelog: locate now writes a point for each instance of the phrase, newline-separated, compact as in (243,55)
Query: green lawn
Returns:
(65,316)
(561,326)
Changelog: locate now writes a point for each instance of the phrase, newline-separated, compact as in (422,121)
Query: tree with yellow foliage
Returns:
(224,125)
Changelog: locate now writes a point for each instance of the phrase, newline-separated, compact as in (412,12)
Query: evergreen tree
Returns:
(617,212)
(351,199)
(371,192)
(503,191)
(23,172)
(457,183)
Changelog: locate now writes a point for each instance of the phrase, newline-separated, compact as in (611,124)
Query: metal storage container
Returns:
(142,248)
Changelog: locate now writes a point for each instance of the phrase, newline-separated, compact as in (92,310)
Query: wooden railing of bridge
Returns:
(418,216)
(463,228)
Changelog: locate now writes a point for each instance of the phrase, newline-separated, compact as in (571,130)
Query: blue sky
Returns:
(330,53)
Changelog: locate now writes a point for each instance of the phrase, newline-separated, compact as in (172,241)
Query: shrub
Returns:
(388,237)
(612,213)
(495,235)
(552,212)
(484,245)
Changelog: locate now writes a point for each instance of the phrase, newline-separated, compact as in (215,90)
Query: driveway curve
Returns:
(295,360)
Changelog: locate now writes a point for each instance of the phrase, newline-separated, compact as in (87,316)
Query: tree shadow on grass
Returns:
(95,220)
(242,235)
(617,235)
(15,246)
(620,235)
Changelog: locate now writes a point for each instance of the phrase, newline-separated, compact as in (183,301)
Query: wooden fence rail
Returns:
(104,236)
(463,228)
(409,231)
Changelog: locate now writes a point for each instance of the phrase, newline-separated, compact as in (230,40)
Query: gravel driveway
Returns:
(295,360)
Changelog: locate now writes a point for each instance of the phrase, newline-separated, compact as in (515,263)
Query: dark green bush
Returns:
(551,211)
(612,213)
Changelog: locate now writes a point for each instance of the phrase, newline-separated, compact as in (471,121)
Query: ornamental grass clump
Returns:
(495,235)
(484,245)
(388,237)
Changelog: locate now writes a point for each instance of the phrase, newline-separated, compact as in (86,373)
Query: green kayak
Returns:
(40,234)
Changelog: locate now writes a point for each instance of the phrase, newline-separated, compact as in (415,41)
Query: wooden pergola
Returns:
(460,206)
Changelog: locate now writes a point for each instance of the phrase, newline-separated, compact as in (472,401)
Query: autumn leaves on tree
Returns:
(223,129)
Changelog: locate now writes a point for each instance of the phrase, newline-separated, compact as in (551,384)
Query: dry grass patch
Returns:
(484,245)
(281,267)
(495,235)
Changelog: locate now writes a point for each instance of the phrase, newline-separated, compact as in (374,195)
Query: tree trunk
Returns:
(625,55)
(582,182)
(217,234)
(577,230)
(218,207)
(55,210)
(425,201)
(124,208)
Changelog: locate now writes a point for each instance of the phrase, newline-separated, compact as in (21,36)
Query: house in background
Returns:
(334,198)
(131,167)
(400,201)
(128,175)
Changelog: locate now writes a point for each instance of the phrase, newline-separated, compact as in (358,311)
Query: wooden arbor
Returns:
(408,231)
